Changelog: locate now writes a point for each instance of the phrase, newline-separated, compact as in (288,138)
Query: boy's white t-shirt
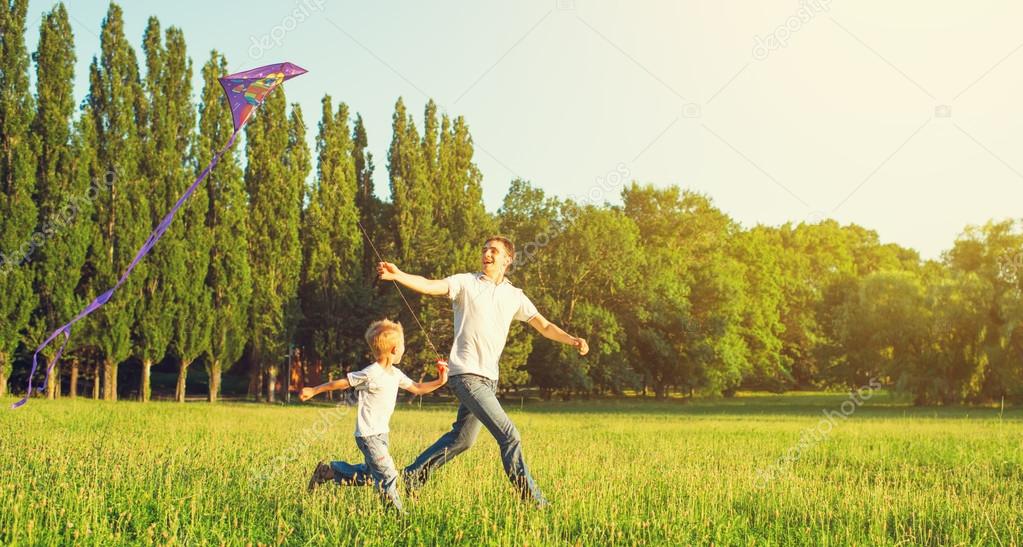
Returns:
(378,392)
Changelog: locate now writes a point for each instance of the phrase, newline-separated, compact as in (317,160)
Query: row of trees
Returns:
(672,293)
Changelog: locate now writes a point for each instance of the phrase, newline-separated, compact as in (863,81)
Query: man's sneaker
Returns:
(323,473)
(410,482)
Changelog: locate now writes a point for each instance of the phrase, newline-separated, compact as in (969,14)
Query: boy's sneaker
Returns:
(323,473)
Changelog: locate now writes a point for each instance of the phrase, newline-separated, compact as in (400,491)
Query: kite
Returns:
(245,91)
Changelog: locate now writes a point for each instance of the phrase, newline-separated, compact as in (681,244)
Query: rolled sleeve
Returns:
(456,283)
(527,311)
(405,382)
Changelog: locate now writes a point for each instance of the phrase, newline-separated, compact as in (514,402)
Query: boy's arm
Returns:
(418,283)
(553,332)
(422,388)
(310,392)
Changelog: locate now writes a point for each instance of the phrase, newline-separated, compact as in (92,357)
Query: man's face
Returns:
(495,257)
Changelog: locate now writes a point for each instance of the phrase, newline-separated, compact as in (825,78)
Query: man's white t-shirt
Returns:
(483,314)
(378,392)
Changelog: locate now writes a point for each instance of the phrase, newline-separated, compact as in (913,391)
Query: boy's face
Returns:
(398,351)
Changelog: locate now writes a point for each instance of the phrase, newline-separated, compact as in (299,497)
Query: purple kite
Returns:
(245,91)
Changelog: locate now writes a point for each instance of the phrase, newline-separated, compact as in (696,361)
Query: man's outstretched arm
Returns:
(418,283)
(553,332)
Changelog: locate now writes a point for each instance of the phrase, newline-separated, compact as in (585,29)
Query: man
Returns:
(485,303)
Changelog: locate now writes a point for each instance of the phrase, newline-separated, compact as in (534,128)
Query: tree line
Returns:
(673,294)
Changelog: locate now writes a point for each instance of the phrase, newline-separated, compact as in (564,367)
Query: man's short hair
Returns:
(508,245)
(383,336)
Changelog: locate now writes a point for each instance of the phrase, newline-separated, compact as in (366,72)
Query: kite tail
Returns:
(103,298)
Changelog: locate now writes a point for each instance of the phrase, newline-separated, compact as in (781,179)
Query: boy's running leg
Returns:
(321,474)
(381,467)
(350,474)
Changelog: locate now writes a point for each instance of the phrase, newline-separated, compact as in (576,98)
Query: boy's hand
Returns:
(387,271)
(442,371)
(307,393)
(582,346)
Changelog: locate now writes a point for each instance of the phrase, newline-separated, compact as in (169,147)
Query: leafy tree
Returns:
(602,247)
(993,254)
(757,250)
(531,220)
(884,330)
(688,310)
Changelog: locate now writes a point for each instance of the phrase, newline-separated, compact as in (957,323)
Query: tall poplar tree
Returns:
(18,213)
(117,101)
(419,243)
(63,189)
(84,348)
(332,245)
(193,299)
(274,174)
(372,210)
(159,167)
(411,195)
(230,278)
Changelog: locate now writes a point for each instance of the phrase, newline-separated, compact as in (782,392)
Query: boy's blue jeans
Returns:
(378,467)
(479,406)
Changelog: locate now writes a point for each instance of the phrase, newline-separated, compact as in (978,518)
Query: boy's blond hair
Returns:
(383,336)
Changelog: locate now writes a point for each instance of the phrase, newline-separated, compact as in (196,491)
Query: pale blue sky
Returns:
(846,120)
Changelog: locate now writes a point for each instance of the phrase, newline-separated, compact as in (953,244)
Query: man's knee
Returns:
(510,436)
(465,438)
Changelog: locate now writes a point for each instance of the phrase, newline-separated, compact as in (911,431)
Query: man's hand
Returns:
(582,346)
(388,271)
(553,332)
(307,393)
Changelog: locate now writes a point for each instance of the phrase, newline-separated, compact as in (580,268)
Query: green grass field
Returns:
(615,472)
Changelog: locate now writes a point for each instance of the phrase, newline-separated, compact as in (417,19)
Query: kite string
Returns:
(400,293)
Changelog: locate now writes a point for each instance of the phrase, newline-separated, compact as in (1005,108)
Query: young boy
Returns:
(378,386)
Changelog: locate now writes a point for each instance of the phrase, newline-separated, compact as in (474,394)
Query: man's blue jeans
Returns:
(378,468)
(479,406)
